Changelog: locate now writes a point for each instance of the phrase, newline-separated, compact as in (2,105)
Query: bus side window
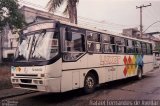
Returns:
(125,47)
(149,49)
(133,46)
(130,48)
(138,48)
(120,43)
(74,45)
(112,42)
(94,42)
(144,48)
(107,48)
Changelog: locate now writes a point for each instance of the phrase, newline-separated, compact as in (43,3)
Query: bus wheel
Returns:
(90,83)
(139,74)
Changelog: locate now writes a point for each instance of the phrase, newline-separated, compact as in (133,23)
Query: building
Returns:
(9,42)
(10,39)
(131,32)
(155,38)
(32,15)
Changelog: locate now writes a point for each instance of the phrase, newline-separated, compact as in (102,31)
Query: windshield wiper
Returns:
(35,44)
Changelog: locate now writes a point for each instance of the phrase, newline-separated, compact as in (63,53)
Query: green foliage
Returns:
(10,14)
(54,4)
(70,9)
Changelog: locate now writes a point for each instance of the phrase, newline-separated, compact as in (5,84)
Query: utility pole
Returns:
(141,24)
(1,51)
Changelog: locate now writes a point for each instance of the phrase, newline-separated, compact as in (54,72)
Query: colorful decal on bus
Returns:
(132,63)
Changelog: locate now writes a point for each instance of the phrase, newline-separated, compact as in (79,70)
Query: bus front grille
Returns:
(26,80)
(28,86)
(27,75)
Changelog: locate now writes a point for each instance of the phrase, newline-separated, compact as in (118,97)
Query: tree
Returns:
(11,16)
(70,9)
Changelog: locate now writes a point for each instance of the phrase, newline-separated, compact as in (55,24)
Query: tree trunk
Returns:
(72,11)
(75,14)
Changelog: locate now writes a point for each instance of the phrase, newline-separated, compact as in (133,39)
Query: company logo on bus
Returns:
(25,70)
(36,69)
(106,60)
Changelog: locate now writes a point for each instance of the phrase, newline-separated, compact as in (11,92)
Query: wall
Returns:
(31,14)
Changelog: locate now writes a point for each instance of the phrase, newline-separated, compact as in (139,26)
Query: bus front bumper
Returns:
(47,85)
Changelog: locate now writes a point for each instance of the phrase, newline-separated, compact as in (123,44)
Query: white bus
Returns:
(58,57)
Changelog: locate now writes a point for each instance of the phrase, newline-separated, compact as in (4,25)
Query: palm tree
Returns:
(70,9)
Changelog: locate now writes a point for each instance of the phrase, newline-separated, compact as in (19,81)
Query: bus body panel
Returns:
(79,64)
(73,79)
(58,80)
(54,70)
(66,81)
(148,63)
(106,73)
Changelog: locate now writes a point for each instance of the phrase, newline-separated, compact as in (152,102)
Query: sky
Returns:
(113,15)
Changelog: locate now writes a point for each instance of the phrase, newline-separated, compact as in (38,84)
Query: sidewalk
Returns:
(12,92)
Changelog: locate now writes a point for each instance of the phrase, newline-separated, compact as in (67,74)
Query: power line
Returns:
(152,24)
(83,20)
(38,6)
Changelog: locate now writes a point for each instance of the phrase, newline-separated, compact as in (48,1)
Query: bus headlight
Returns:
(40,82)
(42,75)
(12,74)
(13,69)
(15,85)
(14,80)
(37,81)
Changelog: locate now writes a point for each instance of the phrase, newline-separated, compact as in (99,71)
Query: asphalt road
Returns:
(127,92)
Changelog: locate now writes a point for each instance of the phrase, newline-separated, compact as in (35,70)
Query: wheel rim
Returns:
(90,82)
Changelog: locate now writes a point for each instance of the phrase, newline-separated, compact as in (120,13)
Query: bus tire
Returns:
(139,73)
(90,83)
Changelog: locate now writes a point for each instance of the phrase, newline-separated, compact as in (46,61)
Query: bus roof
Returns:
(93,29)
(103,31)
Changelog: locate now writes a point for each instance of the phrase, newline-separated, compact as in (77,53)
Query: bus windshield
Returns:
(39,45)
